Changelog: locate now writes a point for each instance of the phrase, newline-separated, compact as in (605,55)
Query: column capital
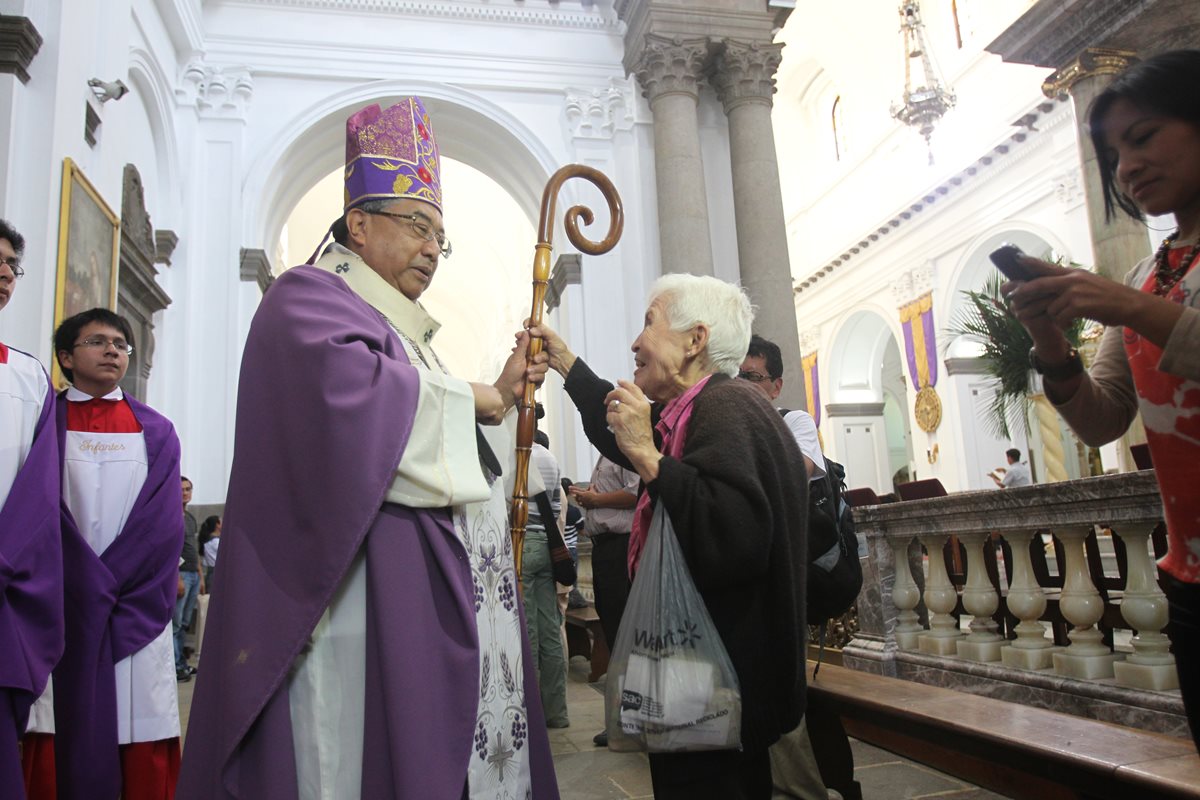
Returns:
(671,65)
(215,92)
(1091,62)
(745,72)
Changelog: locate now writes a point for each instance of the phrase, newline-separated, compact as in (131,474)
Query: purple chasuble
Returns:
(326,402)
(117,602)
(31,591)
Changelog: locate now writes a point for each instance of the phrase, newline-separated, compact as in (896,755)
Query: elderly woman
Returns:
(719,458)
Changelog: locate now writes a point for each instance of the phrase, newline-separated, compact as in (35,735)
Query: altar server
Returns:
(31,599)
(116,706)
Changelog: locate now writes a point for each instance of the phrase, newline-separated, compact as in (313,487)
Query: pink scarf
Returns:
(672,426)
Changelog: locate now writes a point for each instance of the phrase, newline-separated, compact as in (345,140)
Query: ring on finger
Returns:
(614,405)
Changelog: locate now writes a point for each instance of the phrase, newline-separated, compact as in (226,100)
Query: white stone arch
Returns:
(469,128)
(974,266)
(857,390)
(859,340)
(152,84)
(970,388)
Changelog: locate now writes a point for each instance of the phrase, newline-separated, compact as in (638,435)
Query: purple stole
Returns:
(326,401)
(31,593)
(117,602)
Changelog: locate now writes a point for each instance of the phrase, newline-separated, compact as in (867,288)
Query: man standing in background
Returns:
(192,578)
(609,500)
(794,767)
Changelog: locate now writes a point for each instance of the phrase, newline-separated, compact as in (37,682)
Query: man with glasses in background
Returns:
(117,709)
(794,768)
(366,613)
(31,602)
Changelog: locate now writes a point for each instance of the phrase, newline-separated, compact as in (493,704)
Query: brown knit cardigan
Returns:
(738,502)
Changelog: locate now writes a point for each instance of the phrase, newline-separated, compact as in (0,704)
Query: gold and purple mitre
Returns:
(392,154)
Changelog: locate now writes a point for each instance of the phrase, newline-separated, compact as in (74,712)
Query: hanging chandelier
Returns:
(928,102)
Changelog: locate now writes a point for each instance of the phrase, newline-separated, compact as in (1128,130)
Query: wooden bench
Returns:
(1016,750)
(585,638)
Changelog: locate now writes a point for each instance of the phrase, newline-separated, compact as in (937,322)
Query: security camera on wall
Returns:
(108,90)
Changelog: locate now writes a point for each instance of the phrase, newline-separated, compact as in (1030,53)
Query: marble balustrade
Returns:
(915,592)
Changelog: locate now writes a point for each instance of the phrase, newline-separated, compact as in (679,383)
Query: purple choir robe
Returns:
(326,402)
(31,591)
(117,602)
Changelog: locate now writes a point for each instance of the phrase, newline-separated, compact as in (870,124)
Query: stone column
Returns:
(670,70)
(1119,243)
(745,80)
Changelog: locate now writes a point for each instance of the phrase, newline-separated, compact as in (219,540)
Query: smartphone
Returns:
(1006,258)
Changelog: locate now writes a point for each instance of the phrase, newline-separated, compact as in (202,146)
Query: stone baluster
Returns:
(940,599)
(1087,657)
(980,600)
(1144,607)
(905,595)
(1026,601)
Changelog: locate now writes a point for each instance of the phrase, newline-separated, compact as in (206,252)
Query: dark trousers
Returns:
(610,581)
(712,775)
(1184,630)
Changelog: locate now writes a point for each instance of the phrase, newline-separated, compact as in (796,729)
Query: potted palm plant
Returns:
(987,318)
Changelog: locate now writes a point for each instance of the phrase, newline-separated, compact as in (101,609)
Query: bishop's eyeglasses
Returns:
(421,227)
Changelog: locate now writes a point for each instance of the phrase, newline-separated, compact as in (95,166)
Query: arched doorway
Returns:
(869,411)
(494,169)
(982,445)
(481,293)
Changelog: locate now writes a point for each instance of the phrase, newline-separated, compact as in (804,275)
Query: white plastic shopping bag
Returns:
(671,686)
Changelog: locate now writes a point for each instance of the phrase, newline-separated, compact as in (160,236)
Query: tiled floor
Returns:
(586,772)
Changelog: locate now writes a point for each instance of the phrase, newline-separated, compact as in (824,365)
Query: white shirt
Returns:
(1017,475)
(804,428)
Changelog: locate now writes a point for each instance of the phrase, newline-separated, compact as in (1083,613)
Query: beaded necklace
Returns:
(1165,277)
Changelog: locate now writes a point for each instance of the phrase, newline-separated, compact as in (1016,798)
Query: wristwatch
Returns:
(1069,368)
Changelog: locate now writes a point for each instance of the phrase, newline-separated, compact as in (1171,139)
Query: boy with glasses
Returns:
(31,593)
(118,711)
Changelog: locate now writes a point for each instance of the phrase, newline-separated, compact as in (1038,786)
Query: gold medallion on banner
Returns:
(928,409)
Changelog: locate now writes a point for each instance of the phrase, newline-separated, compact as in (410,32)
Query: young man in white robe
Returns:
(117,710)
(31,614)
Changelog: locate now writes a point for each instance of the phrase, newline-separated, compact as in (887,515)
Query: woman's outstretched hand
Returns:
(561,359)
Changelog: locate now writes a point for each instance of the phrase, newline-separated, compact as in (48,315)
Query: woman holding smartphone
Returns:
(1145,128)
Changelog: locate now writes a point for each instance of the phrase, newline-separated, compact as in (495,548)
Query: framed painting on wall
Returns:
(89,241)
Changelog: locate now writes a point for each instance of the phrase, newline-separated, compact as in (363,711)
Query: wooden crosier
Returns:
(526,418)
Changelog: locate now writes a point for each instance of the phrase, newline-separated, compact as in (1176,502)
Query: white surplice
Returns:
(103,474)
(24,392)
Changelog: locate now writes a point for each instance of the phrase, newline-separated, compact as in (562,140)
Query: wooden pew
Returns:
(1016,750)
(585,638)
